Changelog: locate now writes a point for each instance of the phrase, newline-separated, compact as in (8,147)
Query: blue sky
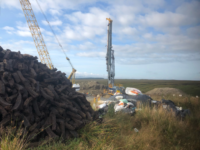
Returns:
(152,39)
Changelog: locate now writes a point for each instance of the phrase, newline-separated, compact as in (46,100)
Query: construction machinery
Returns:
(110,62)
(110,59)
(72,76)
(36,33)
(38,38)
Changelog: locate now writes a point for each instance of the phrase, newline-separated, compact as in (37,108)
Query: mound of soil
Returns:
(165,91)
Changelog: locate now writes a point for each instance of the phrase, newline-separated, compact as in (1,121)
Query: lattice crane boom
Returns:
(36,33)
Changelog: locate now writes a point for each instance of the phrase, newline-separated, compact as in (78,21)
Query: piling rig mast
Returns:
(110,59)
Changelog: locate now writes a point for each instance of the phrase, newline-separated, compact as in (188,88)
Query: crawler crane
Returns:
(38,38)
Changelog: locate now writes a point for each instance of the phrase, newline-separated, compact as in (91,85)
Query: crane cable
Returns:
(54,34)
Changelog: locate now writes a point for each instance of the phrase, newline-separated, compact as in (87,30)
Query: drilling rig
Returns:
(110,63)
(110,59)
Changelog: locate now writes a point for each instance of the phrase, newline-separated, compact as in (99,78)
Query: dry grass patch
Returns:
(158,130)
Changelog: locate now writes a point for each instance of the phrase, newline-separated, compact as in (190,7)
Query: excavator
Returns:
(39,41)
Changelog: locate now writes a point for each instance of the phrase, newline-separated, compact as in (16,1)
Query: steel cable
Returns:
(54,33)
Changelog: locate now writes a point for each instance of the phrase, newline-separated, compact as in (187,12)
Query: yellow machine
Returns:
(72,74)
(38,39)
(36,33)
(113,90)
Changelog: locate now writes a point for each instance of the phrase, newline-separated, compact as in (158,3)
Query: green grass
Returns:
(158,130)
(188,87)
(11,139)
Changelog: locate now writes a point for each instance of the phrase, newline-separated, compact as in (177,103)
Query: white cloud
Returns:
(167,19)
(81,32)
(87,46)
(53,23)
(179,42)
(148,35)
(164,49)
(124,14)
(25,47)
(24,33)
(23,30)
(51,4)
(45,32)
(86,25)
(55,12)
(7,28)
(129,30)
(190,9)
(171,22)
(151,30)
(87,74)
(95,17)
(21,14)
(194,32)
(10,4)
(92,54)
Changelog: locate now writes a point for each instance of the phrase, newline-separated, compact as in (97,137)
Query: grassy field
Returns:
(188,87)
(158,130)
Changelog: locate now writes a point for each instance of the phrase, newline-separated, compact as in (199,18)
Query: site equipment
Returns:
(110,62)
(38,39)
(72,74)
(36,33)
(110,59)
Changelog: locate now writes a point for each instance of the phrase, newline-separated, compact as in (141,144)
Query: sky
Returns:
(152,39)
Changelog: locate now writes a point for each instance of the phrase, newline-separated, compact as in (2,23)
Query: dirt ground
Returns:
(94,88)
(92,92)
(189,87)
(91,85)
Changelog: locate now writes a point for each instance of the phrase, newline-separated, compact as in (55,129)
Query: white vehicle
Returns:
(76,86)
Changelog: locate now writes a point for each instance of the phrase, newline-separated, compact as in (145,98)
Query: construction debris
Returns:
(126,107)
(132,103)
(135,99)
(177,111)
(38,100)
(132,91)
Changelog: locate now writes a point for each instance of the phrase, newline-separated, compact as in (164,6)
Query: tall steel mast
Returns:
(110,59)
